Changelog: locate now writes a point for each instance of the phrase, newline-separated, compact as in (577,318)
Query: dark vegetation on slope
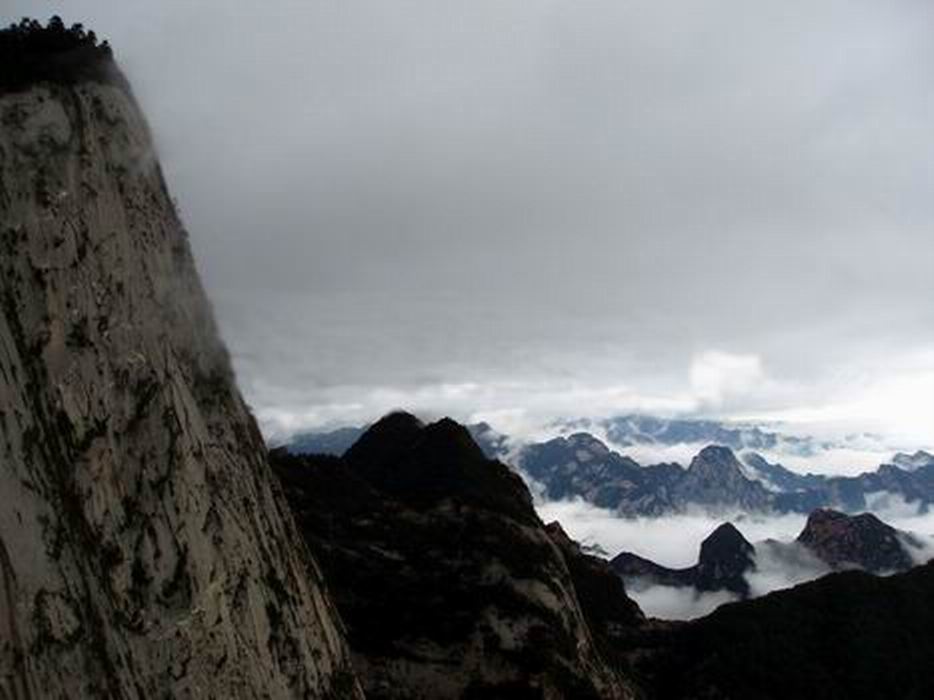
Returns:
(847,635)
(31,53)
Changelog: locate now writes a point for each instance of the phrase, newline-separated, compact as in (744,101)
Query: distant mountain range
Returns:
(838,542)
(621,432)
(717,480)
(633,430)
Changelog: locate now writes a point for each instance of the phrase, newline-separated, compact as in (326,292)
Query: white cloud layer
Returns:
(674,542)
(670,603)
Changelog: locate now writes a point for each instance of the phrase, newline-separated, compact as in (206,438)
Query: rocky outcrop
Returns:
(725,559)
(609,611)
(145,548)
(448,582)
(715,480)
(856,541)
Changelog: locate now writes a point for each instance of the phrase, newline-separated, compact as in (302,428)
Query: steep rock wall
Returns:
(145,549)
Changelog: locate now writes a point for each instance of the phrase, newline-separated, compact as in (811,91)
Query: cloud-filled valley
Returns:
(674,541)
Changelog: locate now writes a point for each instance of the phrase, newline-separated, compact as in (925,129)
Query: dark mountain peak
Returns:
(438,554)
(397,421)
(385,440)
(862,541)
(825,523)
(448,446)
(421,465)
(453,439)
(726,540)
(725,558)
(715,458)
(716,479)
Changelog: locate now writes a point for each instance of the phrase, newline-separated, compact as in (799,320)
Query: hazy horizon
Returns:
(517,213)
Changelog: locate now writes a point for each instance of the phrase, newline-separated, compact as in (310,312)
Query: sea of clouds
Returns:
(674,541)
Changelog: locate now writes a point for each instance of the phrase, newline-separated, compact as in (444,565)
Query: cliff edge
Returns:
(145,548)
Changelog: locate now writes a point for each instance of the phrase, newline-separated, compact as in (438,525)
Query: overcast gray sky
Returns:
(515,210)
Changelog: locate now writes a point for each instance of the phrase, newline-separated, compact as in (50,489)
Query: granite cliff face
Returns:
(145,548)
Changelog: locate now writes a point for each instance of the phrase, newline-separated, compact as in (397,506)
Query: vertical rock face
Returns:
(145,549)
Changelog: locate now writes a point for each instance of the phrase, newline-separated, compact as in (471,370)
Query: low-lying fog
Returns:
(674,541)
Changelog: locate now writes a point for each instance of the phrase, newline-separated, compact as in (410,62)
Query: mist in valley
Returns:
(674,541)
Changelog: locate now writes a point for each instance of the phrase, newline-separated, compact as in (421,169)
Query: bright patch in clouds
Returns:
(858,418)
(717,376)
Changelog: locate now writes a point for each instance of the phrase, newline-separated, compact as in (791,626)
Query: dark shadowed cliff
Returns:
(448,582)
(847,635)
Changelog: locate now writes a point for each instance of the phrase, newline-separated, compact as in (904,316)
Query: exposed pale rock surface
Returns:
(145,548)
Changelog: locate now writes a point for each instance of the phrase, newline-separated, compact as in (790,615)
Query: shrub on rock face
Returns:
(31,53)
